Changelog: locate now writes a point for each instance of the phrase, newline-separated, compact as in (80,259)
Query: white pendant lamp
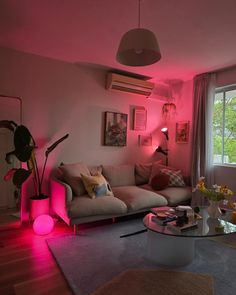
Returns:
(138,47)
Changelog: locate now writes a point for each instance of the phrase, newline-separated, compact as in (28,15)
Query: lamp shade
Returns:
(138,47)
(165,132)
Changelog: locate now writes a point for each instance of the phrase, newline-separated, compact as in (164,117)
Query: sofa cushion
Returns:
(175,177)
(142,173)
(119,175)
(174,195)
(85,206)
(156,169)
(160,181)
(96,186)
(71,174)
(137,198)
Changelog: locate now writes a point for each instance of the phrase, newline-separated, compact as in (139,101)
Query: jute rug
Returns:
(161,282)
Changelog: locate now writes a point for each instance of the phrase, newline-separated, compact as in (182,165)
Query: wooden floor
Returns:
(26,264)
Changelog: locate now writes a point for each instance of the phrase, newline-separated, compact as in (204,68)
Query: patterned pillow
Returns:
(176,177)
(96,186)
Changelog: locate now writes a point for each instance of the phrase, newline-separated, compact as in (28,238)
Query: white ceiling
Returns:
(195,36)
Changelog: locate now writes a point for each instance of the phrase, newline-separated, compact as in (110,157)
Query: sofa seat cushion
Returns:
(137,198)
(85,206)
(174,195)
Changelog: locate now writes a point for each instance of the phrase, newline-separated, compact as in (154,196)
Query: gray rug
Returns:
(161,282)
(98,254)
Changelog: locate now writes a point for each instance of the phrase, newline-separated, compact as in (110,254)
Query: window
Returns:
(224,126)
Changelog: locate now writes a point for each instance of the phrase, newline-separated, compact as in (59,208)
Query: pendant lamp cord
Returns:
(139,13)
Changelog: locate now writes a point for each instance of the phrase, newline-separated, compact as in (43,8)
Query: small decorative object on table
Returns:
(233,217)
(215,194)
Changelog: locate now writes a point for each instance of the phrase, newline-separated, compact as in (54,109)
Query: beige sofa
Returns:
(131,192)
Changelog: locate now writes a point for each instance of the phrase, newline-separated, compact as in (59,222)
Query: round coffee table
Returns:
(169,247)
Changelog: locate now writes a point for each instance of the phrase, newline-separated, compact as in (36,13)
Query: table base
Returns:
(170,250)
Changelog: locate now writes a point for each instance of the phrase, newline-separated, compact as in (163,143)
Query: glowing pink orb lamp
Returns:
(43,225)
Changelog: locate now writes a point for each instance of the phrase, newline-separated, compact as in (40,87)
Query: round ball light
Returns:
(43,225)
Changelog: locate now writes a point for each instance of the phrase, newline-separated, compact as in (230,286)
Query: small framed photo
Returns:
(145,140)
(140,119)
(115,129)
(182,132)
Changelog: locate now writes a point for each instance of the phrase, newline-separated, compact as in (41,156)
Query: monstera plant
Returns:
(25,152)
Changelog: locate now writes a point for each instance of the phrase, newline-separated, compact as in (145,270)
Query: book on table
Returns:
(162,212)
(163,219)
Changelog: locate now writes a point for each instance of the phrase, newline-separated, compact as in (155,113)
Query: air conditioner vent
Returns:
(129,84)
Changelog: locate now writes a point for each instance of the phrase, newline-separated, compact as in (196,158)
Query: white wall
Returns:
(60,98)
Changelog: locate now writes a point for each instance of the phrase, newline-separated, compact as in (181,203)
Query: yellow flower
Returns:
(216,193)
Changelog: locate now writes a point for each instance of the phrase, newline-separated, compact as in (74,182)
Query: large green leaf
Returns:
(22,137)
(20,176)
(55,144)
(24,153)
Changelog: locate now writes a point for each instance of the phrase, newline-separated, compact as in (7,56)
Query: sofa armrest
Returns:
(61,195)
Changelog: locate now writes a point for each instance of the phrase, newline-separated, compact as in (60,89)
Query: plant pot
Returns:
(38,207)
(214,209)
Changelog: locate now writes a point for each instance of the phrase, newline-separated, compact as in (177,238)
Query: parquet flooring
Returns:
(26,264)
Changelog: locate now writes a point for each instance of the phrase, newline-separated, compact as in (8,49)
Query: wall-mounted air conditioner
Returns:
(129,84)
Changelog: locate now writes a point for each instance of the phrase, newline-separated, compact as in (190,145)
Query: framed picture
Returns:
(140,119)
(145,140)
(182,132)
(115,129)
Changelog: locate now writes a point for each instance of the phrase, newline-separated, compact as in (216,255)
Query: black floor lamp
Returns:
(164,152)
(160,149)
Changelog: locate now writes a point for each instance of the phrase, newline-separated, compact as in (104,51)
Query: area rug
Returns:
(140,282)
(97,255)
(229,240)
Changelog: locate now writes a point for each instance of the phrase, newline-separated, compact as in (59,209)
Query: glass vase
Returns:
(213,209)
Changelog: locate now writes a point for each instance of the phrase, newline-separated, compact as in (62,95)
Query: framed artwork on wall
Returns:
(115,129)
(182,132)
(145,140)
(140,119)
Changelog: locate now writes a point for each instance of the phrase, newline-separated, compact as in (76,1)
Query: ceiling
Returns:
(195,36)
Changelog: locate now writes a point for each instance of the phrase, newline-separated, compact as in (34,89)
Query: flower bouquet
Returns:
(215,194)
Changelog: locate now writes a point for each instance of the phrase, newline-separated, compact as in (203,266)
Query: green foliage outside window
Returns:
(224,127)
